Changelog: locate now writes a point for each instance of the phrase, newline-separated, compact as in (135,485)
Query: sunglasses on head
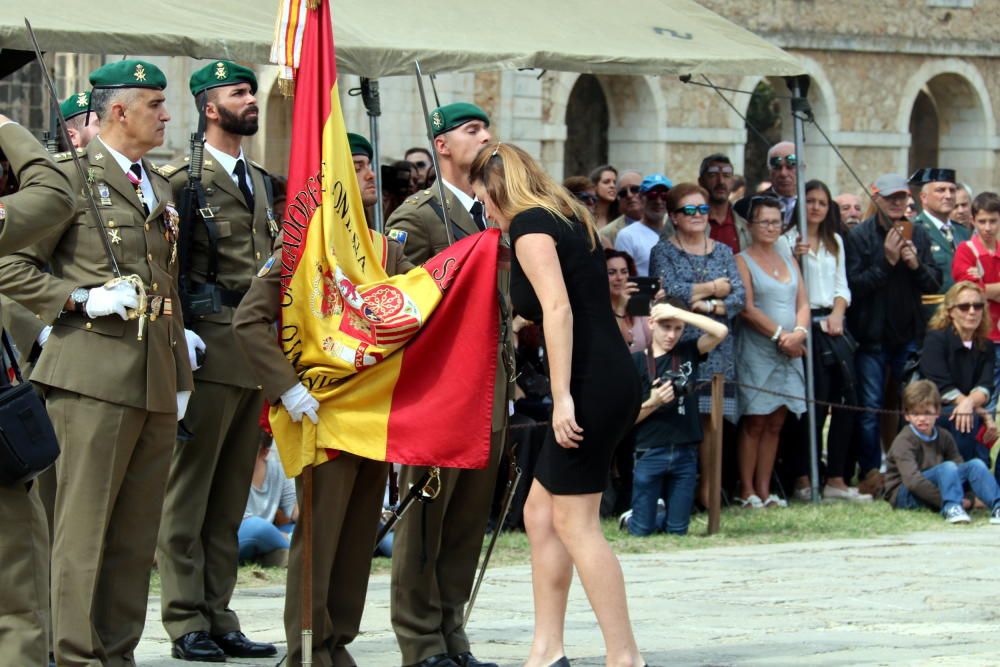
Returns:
(586,197)
(628,190)
(966,307)
(777,161)
(691,209)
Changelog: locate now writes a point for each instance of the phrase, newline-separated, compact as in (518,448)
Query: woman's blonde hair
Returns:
(942,317)
(515,183)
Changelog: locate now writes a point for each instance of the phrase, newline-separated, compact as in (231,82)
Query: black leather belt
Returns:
(231,297)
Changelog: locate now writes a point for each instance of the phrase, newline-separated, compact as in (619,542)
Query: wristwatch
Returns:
(79,297)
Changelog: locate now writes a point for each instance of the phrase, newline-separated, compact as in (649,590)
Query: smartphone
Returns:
(639,303)
(905,228)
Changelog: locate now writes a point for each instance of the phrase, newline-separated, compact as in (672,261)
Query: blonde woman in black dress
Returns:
(559,279)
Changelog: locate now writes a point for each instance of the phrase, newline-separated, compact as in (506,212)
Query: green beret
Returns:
(128,74)
(222,73)
(359,145)
(75,105)
(450,116)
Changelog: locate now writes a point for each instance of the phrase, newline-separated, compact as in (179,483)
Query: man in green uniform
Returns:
(435,555)
(43,201)
(347,491)
(937,201)
(116,420)
(81,125)
(197,549)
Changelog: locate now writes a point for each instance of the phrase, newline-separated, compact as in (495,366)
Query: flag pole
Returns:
(373,105)
(307,565)
(434,158)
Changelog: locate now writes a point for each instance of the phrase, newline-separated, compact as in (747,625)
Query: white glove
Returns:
(194,342)
(43,335)
(298,401)
(103,301)
(182,403)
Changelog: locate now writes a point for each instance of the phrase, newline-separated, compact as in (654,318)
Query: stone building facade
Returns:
(894,86)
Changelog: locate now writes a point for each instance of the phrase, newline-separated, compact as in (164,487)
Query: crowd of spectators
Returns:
(892,286)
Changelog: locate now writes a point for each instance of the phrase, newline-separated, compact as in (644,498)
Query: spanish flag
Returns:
(402,366)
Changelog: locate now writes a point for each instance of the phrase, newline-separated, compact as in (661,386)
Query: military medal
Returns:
(104,193)
(114,236)
(172,222)
(3,212)
(272,225)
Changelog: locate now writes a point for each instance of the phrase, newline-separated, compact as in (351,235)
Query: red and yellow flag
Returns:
(402,366)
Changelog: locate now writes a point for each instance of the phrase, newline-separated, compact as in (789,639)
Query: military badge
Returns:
(172,225)
(398,235)
(3,212)
(272,224)
(220,71)
(81,99)
(98,156)
(437,120)
(104,193)
(140,72)
(115,236)
(264,270)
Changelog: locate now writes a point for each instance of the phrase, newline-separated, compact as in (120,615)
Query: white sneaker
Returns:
(955,514)
(623,520)
(849,494)
(995,516)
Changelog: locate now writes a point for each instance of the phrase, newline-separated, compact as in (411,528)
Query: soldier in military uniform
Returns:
(116,422)
(44,201)
(435,555)
(197,549)
(937,201)
(347,491)
(81,125)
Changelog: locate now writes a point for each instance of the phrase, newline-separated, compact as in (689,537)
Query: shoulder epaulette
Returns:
(68,155)
(259,167)
(169,169)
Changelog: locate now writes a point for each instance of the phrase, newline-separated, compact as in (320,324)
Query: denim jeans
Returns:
(258,537)
(949,478)
(671,473)
(968,446)
(871,374)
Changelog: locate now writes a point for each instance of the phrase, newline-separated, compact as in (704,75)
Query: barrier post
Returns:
(714,467)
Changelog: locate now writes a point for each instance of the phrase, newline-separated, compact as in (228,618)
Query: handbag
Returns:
(28,444)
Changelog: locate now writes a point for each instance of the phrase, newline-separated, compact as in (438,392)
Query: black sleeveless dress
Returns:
(603,380)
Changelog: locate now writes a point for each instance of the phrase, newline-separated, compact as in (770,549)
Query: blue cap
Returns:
(655,180)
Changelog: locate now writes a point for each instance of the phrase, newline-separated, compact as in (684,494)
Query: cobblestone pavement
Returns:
(920,599)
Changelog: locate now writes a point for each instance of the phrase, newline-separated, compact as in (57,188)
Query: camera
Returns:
(682,383)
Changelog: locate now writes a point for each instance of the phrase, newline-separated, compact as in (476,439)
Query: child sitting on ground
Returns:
(668,427)
(924,468)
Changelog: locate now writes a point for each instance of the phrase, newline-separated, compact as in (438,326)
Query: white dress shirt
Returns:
(144,185)
(826,275)
(228,163)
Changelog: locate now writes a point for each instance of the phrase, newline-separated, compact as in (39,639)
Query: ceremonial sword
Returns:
(134,280)
(425,490)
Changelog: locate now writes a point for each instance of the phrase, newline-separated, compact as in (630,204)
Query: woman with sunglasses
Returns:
(701,273)
(769,350)
(583,189)
(957,356)
(559,279)
(606,209)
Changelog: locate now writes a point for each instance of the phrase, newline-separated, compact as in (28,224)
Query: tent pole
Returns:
(434,158)
(373,105)
(795,86)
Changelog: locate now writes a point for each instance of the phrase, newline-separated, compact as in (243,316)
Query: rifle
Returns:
(197,299)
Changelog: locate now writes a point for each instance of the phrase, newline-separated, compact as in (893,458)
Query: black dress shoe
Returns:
(197,646)
(466,659)
(440,660)
(561,662)
(236,645)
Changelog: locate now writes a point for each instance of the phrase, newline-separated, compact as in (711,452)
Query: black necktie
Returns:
(241,181)
(134,175)
(477,215)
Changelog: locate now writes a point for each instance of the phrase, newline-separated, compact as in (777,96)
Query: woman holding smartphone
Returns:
(559,278)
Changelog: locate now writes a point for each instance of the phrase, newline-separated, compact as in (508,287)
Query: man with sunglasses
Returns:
(781,164)
(638,239)
(725,225)
(421,159)
(887,274)
(629,204)
(937,202)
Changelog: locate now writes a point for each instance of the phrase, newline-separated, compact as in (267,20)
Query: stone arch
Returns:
(820,159)
(637,120)
(964,114)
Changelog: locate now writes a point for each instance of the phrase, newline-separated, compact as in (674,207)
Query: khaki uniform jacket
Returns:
(245,241)
(101,357)
(44,199)
(254,319)
(418,227)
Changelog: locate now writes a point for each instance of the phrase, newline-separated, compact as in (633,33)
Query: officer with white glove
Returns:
(298,401)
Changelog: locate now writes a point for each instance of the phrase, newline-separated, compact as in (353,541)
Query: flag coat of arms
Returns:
(402,366)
